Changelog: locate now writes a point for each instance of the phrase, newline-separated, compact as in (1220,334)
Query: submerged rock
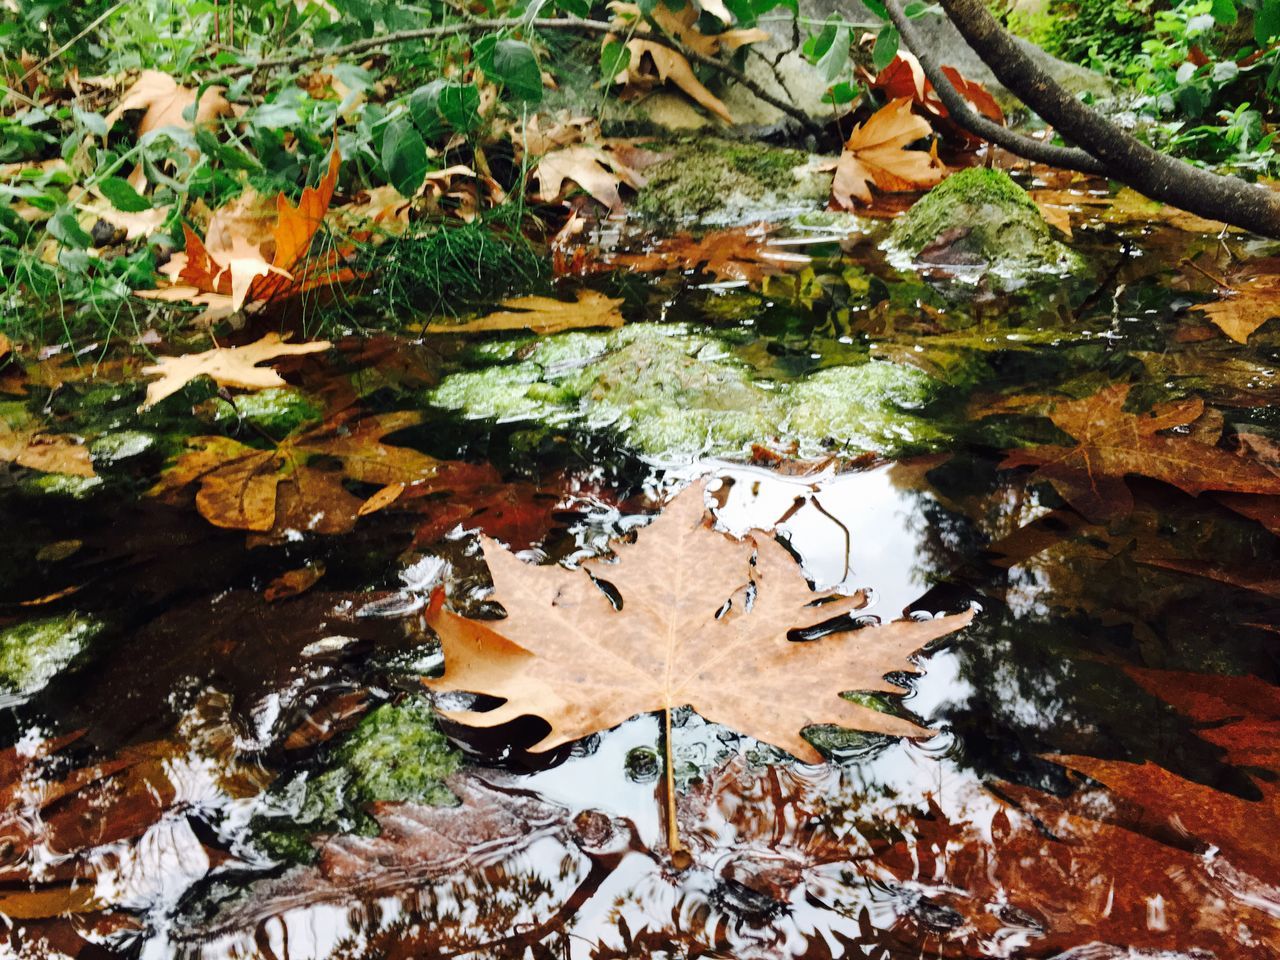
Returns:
(34,652)
(673,395)
(396,754)
(980,223)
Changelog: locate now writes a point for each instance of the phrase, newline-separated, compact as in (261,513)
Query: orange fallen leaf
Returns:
(544,315)
(904,77)
(876,153)
(249,258)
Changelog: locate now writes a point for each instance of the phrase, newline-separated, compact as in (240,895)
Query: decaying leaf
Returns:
(165,101)
(566,654)
(293,582)
(46,452)
(298,484)
(228,366)
(252,256)
(1252,299)
(876,153)
(735,254)
(543,315)
(1114,443)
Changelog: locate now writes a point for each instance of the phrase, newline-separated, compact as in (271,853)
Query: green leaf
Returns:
(516,67)
(914,10)
(614,58)
(66,229)
(876,7)
(123,196)
(841,93)
(443,104)
(886,47)
(404,157)
(836,57)
(1224,12)
(1266,22)
(577,8)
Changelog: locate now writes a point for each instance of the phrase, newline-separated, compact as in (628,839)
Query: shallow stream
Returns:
(195,770)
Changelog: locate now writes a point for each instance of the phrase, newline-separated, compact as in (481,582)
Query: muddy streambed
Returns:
(217,742)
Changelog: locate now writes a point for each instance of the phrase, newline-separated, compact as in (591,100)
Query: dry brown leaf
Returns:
(876,153)
(543,315)
(593,168)
(136,226)
(904,77)
(228,366)
(566,654)
(1114,443)
(281,488)
(652,65)
(164,101)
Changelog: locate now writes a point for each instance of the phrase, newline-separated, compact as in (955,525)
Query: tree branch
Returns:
(1123,157)
(964,114)
(568,24)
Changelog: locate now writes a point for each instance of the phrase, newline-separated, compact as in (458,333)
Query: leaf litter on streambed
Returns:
(1100,772)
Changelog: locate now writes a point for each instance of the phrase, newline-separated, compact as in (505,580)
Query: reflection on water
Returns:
(1100,783)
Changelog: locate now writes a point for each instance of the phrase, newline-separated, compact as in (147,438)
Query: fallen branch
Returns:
(568,24)
(1122,156)
(963,113)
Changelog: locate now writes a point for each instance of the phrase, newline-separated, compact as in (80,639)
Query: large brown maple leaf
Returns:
(1114,443)
(566,654)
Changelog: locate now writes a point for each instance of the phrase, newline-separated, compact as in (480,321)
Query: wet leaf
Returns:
(228,366)
(738,253)
(543,315)
(876,153)
(1252,299)
(1113,443)
(298,484)
(293,582)
(565,653)
(47,452)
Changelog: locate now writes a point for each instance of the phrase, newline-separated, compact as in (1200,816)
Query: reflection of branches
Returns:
(812,498)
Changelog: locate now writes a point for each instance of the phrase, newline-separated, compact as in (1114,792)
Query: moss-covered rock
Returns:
(674,395)
(979,222)
(277,410)
(397,753)
(721,181)
(34,652)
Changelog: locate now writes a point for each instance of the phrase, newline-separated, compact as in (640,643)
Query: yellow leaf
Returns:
(1246,306)
(228,366)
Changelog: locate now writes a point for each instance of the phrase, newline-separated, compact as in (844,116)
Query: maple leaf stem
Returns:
(680,857)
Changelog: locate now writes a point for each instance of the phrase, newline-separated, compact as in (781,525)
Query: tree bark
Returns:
(1122,156)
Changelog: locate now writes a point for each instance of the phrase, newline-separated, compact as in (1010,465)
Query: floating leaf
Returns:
(543,315)
(228,366)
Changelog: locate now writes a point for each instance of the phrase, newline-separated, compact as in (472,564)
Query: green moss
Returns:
(33,653)
(863,407)
(983,219)
(121,445)
(720,180)
(278,410)
(670,394)
(396,754)
(61,485)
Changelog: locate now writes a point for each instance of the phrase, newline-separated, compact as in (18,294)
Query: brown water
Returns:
(1141,652)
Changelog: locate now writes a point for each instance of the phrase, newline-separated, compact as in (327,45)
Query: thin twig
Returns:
(567,24)
(679,853)
(72,42)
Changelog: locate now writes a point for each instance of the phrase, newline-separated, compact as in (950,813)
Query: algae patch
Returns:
(673,395)
(396,754)
(720,181)
(979,222)
(34,652)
